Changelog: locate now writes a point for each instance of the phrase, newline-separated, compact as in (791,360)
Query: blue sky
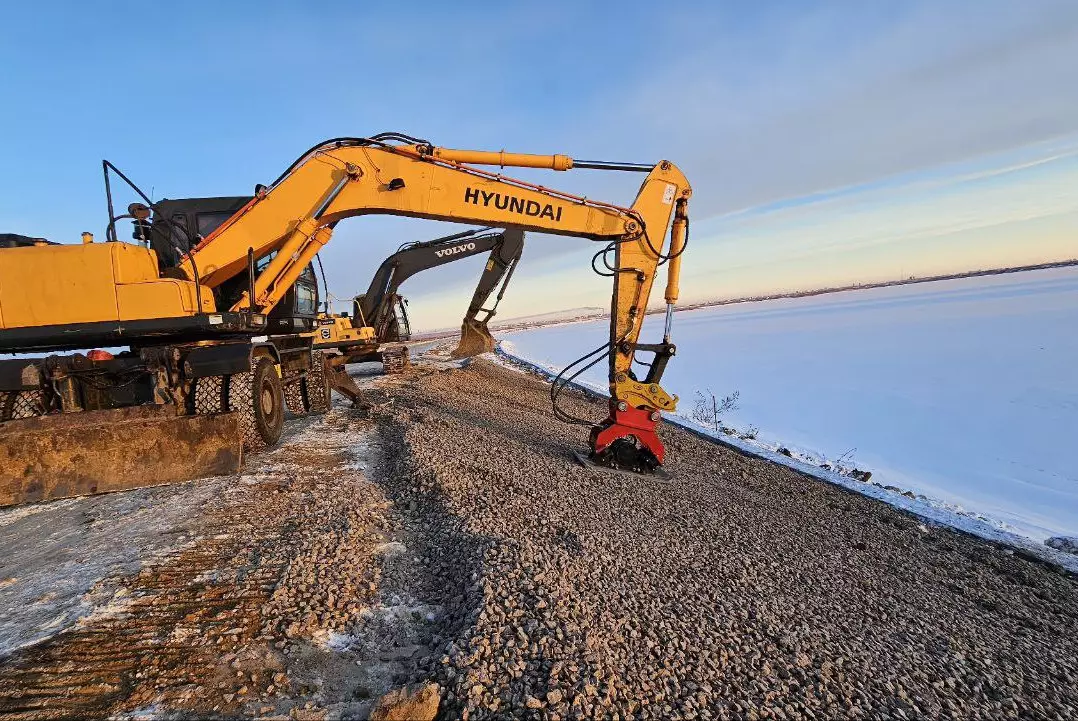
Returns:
(826,142)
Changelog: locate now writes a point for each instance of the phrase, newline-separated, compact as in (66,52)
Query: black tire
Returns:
(316,393)
(21,404)
(258,398)
(293,397)
(209,396)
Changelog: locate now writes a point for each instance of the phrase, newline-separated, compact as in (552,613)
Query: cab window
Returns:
(305,299)
(209,222)
(179,230)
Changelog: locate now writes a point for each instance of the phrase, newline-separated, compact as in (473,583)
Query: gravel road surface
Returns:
(444,533)
(737,589)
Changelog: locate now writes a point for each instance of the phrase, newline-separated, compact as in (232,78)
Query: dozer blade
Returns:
(340,381)
(475,339)
(78,454)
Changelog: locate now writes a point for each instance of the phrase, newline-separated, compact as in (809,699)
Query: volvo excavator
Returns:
(201,379)
(385,310)
(382,307)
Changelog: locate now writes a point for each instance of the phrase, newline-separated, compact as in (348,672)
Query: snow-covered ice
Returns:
(60,562)
(964,391)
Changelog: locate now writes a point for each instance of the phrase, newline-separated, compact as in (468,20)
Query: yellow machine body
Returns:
(336,331)
(101,294)
(55,285)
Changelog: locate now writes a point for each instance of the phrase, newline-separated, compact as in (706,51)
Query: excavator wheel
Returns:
(293,396)
(316,391)
(258,398)
(209,395)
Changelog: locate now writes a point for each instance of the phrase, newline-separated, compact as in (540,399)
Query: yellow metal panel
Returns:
(64,284)
(133,263)
(654,204)
(56,284)
(163,298)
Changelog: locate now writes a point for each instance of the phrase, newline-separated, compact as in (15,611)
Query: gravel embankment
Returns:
(738,589)
(444,533)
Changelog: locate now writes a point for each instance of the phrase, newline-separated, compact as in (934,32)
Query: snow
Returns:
(62,561)
(963,393)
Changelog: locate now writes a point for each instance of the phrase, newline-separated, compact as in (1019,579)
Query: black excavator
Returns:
(385,310)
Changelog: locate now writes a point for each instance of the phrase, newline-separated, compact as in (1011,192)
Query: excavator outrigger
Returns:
(200,377)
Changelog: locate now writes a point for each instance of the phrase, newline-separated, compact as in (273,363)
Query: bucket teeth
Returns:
(475,339)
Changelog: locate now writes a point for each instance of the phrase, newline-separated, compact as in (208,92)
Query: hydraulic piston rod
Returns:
(678,235)
(527,160)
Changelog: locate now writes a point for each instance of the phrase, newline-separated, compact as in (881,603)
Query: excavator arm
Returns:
(388,175)
(475,337)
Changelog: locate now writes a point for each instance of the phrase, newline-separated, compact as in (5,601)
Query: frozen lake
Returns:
(964,391)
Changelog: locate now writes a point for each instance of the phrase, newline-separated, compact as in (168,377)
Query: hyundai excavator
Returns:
(200,380)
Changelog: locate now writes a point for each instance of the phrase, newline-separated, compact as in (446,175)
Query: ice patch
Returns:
(62,560)
(1066,544)
(148,713)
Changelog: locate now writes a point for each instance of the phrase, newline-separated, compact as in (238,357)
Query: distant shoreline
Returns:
(881,284)
(511,324)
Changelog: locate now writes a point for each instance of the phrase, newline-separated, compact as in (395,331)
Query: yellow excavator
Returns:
(201,378)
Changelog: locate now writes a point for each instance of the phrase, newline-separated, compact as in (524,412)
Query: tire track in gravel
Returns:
(291,601)
(738,589)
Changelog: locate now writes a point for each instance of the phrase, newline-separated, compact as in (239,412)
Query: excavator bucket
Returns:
(475,339)
(78,454)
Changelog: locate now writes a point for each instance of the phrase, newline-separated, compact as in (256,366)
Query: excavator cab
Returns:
(398,329)
(393,326)
(183,222)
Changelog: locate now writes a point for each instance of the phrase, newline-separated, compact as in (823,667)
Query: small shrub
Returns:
(708,409)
